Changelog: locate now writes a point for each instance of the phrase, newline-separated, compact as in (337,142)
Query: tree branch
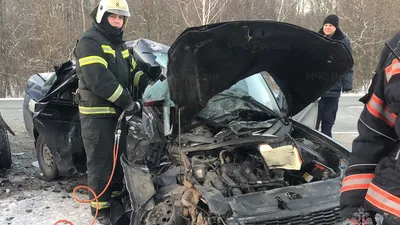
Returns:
(183,15)
(83,16)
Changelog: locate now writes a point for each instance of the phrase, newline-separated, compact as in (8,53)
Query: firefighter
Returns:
(372,180)
(107,75)
(329,103)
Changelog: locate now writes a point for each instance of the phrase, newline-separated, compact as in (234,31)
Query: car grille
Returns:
(326,217)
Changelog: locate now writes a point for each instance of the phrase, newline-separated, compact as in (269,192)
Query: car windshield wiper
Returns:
(263,107)
(41,77)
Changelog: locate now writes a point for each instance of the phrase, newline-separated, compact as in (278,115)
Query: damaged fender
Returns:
(141,189)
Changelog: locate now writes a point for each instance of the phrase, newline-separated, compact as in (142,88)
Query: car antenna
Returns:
(394,53)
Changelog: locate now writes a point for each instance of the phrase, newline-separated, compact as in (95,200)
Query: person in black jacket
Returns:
(372,179)
(329,103)
(108,75)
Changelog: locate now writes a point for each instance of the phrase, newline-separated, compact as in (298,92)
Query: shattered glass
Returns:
(227,105)
(254,86)
(159,90)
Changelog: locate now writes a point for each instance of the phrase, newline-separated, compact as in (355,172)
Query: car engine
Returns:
(242,170)
(236,172)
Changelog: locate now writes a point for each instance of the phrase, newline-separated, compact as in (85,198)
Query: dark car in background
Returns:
(213,144)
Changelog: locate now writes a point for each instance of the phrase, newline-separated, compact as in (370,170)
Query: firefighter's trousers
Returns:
(98,139)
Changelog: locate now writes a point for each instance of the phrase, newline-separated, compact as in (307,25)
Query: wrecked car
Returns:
(213,144)
(217,147)
(52,118)
(5,150)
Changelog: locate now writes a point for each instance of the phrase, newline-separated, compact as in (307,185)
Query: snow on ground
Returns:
(360,94)
(25,198)
(44,208)
(8,99)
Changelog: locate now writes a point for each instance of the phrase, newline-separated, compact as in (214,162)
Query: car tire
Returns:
(46,160)
(165,213)
(5,150)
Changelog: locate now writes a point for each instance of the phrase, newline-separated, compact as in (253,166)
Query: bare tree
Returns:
(284,7)
(4,80)
(35,35)
(200,12)
(83,15)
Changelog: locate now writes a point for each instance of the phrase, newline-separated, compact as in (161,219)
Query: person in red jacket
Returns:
(372,179)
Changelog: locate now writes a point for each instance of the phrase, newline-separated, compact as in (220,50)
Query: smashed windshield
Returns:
(159,90)
(228,103)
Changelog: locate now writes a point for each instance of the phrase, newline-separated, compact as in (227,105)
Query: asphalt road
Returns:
(344,130)
(349,111)
(11,109)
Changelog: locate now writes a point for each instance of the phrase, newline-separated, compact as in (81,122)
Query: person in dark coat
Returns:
(329,103)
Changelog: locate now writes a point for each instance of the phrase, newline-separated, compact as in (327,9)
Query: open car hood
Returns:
(206,60)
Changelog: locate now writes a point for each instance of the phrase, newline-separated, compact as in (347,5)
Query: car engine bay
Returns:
(235,173)
(207,167)
(236,167)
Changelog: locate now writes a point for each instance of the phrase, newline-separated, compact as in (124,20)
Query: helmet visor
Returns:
(119,12)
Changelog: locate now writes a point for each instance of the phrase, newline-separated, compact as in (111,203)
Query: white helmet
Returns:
(119,7)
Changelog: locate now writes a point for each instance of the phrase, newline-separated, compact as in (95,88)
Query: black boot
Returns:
(103,215)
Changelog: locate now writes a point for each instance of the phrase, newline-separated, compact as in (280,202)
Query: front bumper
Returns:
(315,203)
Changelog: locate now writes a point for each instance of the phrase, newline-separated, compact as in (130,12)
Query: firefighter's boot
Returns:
(103,215)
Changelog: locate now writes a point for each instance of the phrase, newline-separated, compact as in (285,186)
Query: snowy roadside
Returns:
(44,208)
(353,94)
(10,99)
(25,198)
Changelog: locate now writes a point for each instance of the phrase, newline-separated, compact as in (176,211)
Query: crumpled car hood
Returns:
(206,60)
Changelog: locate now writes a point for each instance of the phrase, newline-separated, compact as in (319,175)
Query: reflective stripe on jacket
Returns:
(106,73)
(373,177)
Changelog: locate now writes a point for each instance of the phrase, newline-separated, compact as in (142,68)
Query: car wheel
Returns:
(46,160)
(165,213)
(5,150)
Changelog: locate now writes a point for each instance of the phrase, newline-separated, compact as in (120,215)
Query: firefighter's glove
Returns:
(134,107)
